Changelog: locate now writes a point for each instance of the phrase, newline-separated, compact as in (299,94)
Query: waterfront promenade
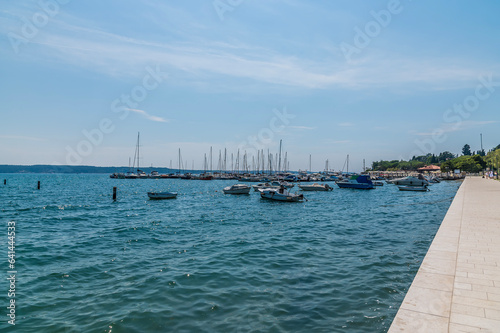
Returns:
(457,288)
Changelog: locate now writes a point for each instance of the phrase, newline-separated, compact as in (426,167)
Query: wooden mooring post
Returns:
(38,185)
(114,193)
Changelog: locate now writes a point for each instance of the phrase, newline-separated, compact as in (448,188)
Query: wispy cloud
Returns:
(99,50)
(346,124)
(302,127)
(20,137)
(148,116)
(458,126)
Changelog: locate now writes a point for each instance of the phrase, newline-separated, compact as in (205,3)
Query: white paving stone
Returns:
(457,288)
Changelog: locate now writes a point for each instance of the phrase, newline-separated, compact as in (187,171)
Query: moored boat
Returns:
(285,184)
(280,195)
(237,189)
(262,186)
(316,187)
(361,182)
(413,188)
(162,195)
(410,181)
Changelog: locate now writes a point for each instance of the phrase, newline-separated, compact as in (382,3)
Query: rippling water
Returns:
(209,262)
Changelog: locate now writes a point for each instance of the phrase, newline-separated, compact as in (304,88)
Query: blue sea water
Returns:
(209,262)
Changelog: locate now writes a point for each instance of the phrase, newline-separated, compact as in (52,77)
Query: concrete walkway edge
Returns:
(457,288)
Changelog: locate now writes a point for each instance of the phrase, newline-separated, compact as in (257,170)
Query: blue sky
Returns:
(372,79)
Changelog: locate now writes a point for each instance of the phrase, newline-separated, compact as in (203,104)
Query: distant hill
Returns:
(73,169)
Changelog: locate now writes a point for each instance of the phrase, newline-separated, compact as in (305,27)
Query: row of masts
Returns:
(240,163)
(263,163)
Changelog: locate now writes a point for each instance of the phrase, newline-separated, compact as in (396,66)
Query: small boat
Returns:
(117,175)
(413,188)
(377,183)
(250,179)
(237,189)
(316,187)
(277,184)
(262,186)
(434,180)
(162,195)
(280,195)
(291,178)
(154,175)
(410,181)
(361,182)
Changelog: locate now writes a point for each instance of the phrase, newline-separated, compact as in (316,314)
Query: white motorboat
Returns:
(162,195)
(423,188)
(411,181)
(316,187)
(280,195)
(262,186)
(277,184)
(434,180)
(237,189)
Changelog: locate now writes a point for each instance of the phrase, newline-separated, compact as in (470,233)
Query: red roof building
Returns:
(430,168)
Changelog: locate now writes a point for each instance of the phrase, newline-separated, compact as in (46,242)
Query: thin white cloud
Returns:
(302,127)
(103,51)
(70,41)
(148,116)
(456,127)
(20,137)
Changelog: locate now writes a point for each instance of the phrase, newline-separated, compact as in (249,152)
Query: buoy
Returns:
(114,193)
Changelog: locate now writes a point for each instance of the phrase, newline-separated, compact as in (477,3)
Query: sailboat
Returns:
(130,174)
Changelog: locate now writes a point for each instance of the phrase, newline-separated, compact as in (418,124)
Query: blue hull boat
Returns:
(357,182)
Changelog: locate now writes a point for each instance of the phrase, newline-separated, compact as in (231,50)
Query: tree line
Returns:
(469,161)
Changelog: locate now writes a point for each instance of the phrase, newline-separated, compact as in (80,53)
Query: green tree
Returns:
(479,161)
(466,150)
(444,156)
(493,159)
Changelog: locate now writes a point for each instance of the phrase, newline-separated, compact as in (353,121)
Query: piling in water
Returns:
(5,181)
(38,184)
(114,193)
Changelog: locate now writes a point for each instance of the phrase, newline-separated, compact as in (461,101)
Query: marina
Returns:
(213,261)
(250,166)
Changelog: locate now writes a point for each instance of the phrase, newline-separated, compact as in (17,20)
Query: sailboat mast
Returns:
(138,156)
(279,163)
(225,160)
(210,159)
